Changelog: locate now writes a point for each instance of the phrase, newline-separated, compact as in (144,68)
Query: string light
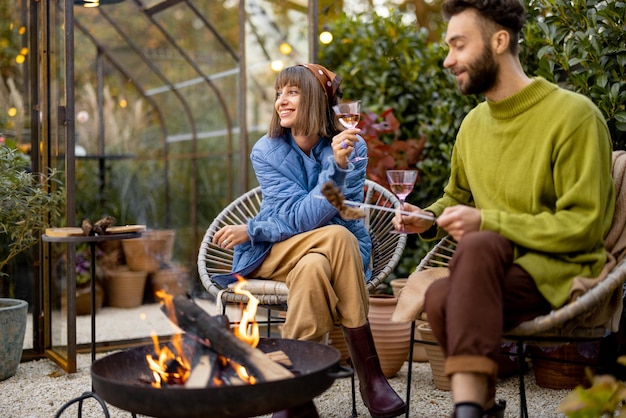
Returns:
(326,36)
(277,65)
(285,48)
(95,3)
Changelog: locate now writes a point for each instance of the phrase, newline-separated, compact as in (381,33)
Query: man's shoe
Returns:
(467,410)
(496,411)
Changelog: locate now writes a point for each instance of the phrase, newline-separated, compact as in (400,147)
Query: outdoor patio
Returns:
(40,388)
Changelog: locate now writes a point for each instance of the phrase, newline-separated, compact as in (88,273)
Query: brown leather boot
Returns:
(306,410)
(378,396)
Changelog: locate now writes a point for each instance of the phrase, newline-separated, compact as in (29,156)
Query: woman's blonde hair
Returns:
(315,114)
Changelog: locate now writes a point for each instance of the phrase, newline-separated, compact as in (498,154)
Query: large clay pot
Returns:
(391,338)
(151,252)
(337,340)
(173,281)
(13,315)
(419,351)
(435,357)
(124,288)
(83,298)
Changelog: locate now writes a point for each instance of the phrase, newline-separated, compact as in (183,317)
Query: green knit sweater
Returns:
(538,166)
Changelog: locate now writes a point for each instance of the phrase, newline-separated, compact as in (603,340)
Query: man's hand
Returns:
(411,223)
(459,220)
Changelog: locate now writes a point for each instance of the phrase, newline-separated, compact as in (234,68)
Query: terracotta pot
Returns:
(391,338)
(419,352)
(83,298)
(125,288)
(435,357)
(173,281)
(397,285)
(151,252)
(419,349)
(337,340)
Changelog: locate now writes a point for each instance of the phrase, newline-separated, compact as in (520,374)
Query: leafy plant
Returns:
(384,150)
(27,203)
(582,46)
(605,397)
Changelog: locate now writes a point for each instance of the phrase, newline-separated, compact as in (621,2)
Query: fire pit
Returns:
(121,379)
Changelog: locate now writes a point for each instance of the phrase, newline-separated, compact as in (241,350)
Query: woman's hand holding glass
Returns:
(349,114)
(343,146)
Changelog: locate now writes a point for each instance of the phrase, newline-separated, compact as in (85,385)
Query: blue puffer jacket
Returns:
(290,183)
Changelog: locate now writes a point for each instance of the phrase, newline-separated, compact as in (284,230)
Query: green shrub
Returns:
(582,46)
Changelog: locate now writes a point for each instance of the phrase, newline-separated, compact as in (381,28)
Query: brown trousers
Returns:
(323,270)
(484,295)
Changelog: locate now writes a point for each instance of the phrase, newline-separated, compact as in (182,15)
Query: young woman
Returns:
(300,239)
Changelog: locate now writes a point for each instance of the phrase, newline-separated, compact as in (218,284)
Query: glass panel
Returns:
(53,138)
(15,132)
(156,115)
(277,37)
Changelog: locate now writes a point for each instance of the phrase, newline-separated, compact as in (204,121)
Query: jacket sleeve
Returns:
(293,202)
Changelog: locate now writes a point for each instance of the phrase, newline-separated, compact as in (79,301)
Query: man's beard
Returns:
(482,74)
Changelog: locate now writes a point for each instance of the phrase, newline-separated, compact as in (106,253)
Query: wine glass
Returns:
(349,114)
(401,183)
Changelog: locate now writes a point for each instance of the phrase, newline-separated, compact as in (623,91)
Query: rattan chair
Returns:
(272,295)
(568,324)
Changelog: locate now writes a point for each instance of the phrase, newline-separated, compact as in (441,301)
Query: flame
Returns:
(168,367)
(168,301)
(243,373)
(248,329)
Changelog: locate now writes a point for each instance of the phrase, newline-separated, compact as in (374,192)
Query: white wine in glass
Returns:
(349,114)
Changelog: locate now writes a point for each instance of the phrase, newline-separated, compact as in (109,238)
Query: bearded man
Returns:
(529,200)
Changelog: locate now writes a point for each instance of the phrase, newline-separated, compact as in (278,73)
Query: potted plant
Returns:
(26,206)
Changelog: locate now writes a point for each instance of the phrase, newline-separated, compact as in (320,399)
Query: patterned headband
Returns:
(328,80)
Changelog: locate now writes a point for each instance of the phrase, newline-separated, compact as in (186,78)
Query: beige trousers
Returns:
(323,270)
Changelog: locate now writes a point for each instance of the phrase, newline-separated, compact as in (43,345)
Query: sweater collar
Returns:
(522,100)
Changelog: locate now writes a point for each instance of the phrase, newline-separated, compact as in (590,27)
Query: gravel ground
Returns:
(40,389)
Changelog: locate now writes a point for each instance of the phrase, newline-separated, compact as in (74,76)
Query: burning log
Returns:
(195,321)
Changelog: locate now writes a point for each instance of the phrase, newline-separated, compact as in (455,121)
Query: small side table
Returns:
(92,240)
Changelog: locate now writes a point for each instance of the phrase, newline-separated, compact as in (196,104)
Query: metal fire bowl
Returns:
(120,379)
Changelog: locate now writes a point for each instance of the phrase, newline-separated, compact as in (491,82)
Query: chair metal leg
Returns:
(521,358)
(354,413)
(409,370)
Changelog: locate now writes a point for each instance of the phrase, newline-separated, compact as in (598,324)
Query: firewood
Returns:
(200,374)
(280,357)
(195,321)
